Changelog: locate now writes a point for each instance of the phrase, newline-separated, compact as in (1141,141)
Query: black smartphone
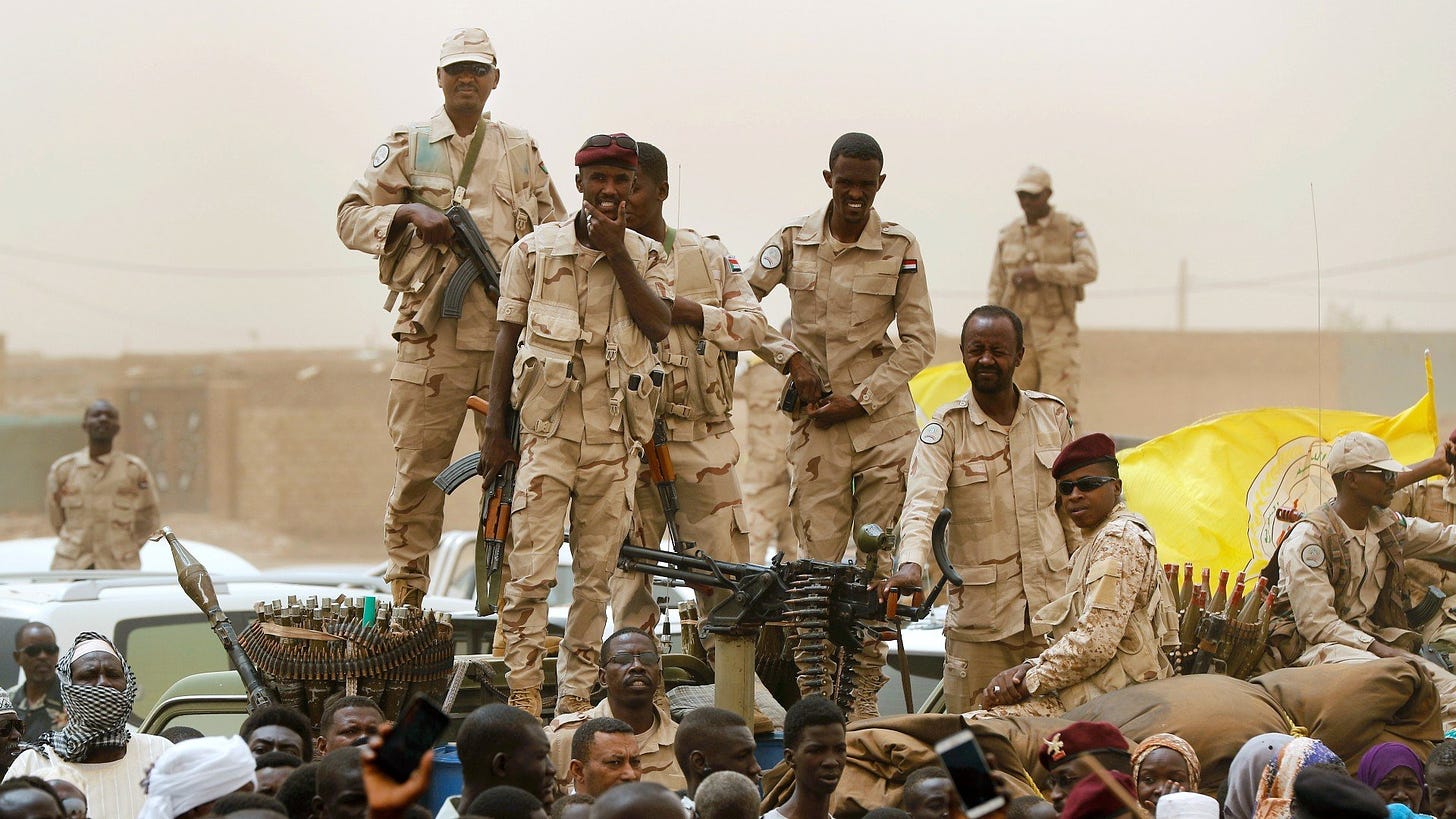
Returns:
(970,774)
(416,731)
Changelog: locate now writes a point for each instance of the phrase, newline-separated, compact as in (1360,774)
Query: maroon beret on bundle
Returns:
(1080,738)
(617,150)
(1089,449)
(1092,799)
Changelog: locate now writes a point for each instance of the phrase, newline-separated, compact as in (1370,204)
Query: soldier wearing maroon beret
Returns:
(1116,614)
(1093,799)
(585,298)
(1065,755)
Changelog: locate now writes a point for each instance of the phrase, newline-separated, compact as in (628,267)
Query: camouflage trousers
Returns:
(970,667)
(711,515)
(427,390)
(766,501)
(593,481)
(834,490)
(1053,361)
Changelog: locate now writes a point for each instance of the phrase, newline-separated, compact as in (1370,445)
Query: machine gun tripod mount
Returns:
(830,609)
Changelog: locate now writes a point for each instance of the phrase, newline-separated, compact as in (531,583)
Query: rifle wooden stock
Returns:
(664,475)
(495,527)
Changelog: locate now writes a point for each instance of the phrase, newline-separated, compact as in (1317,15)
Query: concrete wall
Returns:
(297,440)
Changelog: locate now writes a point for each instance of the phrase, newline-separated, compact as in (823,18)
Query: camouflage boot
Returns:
(526,699)
(571,704)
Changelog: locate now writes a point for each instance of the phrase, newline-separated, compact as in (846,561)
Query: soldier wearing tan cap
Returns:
(582,301)
(988,456)
(850,275)
(1341,568)
(393,211)
(714,317)
(1043,262)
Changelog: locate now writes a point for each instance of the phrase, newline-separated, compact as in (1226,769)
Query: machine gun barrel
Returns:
(197,583)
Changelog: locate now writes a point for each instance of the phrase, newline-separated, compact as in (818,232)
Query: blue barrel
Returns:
(446,779)
(770,750)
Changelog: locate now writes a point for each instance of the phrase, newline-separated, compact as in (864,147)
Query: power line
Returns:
(176,270)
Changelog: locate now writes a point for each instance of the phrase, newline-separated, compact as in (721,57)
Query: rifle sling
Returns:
(470,156)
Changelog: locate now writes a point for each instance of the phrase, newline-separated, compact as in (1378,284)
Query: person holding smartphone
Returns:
(1112,622)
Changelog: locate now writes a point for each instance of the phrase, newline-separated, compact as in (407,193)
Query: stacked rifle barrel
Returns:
(309,650)
(1220,632)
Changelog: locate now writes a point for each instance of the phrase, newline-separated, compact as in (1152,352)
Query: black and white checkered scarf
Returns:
(96,714)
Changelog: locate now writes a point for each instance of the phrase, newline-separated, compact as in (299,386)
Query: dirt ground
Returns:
(266,547)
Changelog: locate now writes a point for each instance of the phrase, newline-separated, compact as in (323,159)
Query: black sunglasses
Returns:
(1385,474)
(14,725)
(648,659)
(1086,484)
(603,140)
(478,69)
(38,649)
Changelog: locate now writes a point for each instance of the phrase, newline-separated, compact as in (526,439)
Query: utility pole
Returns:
(1182,295)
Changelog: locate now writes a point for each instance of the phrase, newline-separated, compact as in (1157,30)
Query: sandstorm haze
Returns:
(199,151)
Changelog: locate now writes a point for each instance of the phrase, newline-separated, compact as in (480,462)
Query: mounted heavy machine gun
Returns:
(829,609)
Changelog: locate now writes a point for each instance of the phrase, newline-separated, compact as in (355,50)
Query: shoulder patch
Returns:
(908,266)
(733,263)
(771,257)
(381,155)
(932,433)
(1312,555)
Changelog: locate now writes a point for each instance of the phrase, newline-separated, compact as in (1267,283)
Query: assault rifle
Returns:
(664,475)
(476,262)
(495,513)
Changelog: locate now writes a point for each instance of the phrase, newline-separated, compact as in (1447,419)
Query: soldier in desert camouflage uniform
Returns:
(585,298)
(1111,624)
(764,470)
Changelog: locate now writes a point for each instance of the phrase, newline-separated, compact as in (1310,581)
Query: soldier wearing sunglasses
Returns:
(394,211)
(1342,572)
(1109,626)
(38,699)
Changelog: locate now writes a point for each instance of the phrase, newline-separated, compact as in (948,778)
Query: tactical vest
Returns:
(1140,655)
(1287,644)
(699,383)
(1051,245)
(416,264)
(554,335)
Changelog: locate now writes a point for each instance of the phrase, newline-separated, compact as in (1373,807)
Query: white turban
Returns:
(1187,805)
(197,772)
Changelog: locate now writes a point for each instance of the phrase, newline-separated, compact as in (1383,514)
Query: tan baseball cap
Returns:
(1034,179)
(1356,449)
(468,45)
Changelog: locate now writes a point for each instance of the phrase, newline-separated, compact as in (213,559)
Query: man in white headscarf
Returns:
(94,749)
(189,777)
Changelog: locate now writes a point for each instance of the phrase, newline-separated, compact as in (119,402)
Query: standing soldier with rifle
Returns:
(585,298)
(689,489)
(440,198)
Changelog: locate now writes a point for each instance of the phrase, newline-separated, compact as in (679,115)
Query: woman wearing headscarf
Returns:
(1247,769)
(94,749)
(1163,764)
(1276,787)
(1396,773)
(191,776)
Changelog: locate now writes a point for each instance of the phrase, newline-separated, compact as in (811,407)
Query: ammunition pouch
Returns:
(541,381)
(411,265)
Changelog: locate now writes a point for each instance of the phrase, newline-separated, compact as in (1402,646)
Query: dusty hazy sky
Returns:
(199,149)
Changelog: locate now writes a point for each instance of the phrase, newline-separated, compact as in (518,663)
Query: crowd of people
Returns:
(608,332)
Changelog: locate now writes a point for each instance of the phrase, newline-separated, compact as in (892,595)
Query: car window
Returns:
(211,725)
(163,650)
(9,669)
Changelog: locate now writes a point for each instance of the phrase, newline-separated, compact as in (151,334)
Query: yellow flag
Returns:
(1210,490)
(934,386)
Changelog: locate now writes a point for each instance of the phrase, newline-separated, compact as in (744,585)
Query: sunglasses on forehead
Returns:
(38,649)
(603,140)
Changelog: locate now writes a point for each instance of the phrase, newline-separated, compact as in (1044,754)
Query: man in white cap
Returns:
(95,750)
(1341,568)
(394,212)
(189,777)
(1044,260)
